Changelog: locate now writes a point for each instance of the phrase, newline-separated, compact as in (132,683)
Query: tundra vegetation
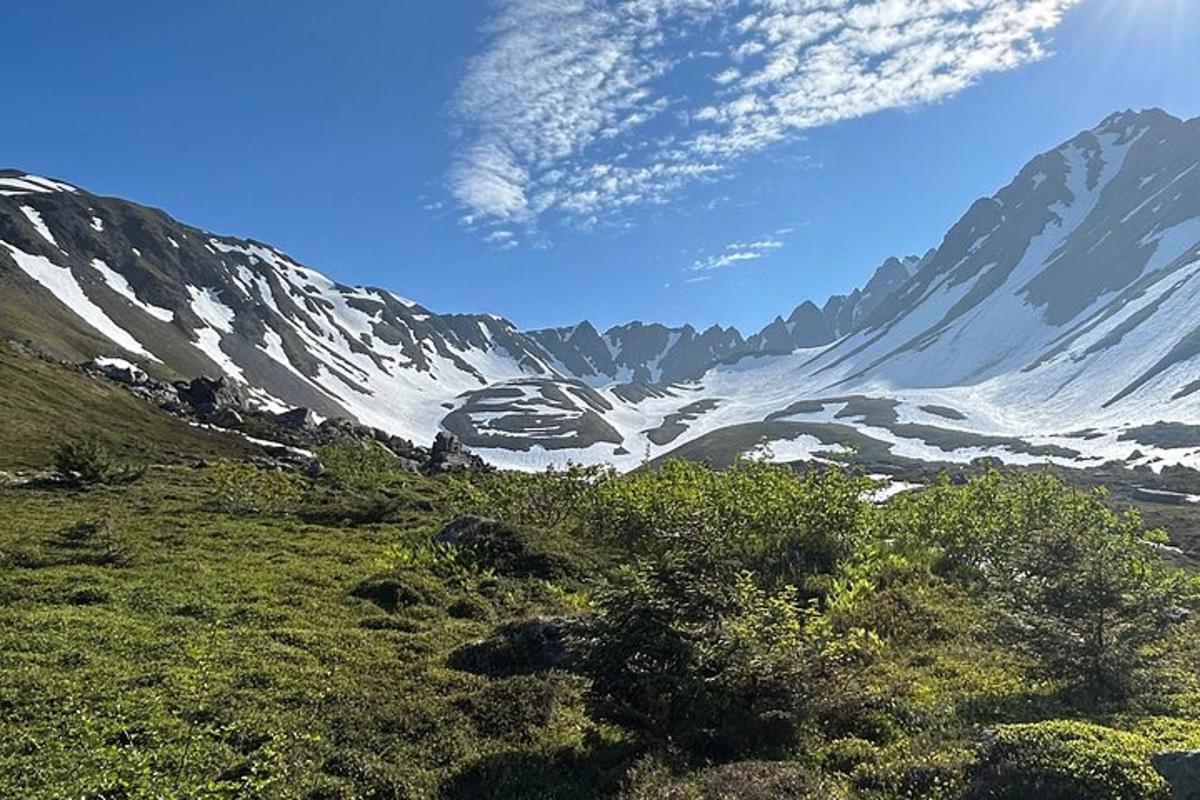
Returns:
(225,630)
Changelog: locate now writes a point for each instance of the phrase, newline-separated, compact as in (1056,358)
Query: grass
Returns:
(226,656)
(42,403)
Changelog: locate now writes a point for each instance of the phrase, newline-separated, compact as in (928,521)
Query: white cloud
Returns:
(577,110)
(502,239)
(736,253)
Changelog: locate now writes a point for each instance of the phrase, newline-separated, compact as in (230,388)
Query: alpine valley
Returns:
(1058,320)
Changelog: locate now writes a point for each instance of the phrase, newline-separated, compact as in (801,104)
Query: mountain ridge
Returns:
(1053,290)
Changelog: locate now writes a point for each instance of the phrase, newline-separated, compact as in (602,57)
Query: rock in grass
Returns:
(1182,771)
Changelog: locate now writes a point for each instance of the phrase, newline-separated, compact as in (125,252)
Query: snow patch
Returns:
(35,218)
(117,282)
(61,282)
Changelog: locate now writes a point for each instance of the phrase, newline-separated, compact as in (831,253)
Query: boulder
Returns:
(118,371)
(226,418)
(211,394)
(464,530)
(1181,769)
(449,455)
(296,419)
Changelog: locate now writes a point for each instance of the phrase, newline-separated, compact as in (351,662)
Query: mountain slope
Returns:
(1064,303)
(43,403)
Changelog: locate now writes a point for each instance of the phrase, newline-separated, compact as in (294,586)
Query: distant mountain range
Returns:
(1058,319)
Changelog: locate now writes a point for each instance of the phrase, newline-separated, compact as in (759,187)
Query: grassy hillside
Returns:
(683,633)
(42,403)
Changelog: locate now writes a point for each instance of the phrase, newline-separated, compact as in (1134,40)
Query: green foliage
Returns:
(1092,598)
(242,488)
(687,646)
(87,462)
(744,780)
(1062,760)
(644,634)
(540,499)
(783,527)
(443,560)
(360,466)
(1080,585)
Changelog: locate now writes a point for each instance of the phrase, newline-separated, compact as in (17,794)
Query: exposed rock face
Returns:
(449,455)
(296,419)
(283,435)
(208,396)
(119,371)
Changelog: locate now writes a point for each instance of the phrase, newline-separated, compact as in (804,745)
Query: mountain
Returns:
(1057,319)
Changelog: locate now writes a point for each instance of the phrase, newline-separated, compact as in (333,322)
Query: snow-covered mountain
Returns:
(1057,319)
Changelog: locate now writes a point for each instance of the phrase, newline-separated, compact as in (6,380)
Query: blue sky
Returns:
(551,160)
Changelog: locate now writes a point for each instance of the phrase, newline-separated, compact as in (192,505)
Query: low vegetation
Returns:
(235,631)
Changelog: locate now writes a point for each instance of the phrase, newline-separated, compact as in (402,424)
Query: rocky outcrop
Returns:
(449,455)
(285,436)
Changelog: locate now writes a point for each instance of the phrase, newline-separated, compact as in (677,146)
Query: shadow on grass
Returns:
(566,774)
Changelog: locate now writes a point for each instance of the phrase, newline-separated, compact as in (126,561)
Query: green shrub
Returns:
(516,552)
(239,487)
(539,499)
(518,648)
(743,780)
(519,707)
(1065,760)
(1079,586)
(784,527)
(689,649)
(359,466)
(401,589)
(86,462)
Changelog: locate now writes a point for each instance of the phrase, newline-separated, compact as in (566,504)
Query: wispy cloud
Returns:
(578,110)
(737,253)
(502,239)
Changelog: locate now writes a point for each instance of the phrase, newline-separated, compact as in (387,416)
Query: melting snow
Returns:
(117,282)
(35,217)
(62,283)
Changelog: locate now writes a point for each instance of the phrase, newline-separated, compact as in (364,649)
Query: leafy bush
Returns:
(238,487)
(783,527)
(744,780)
(1065,760)
(1081,586)
(517,708)
(688,648)
(86,461)
(516,552)
(401,589)
(436,558)
(359,466)
(540,499)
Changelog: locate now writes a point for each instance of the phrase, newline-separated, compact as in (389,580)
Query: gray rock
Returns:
(226,418)
(127,374)
(449,455)
(1181,769)
(210,394)
(461,529)
(296,419)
